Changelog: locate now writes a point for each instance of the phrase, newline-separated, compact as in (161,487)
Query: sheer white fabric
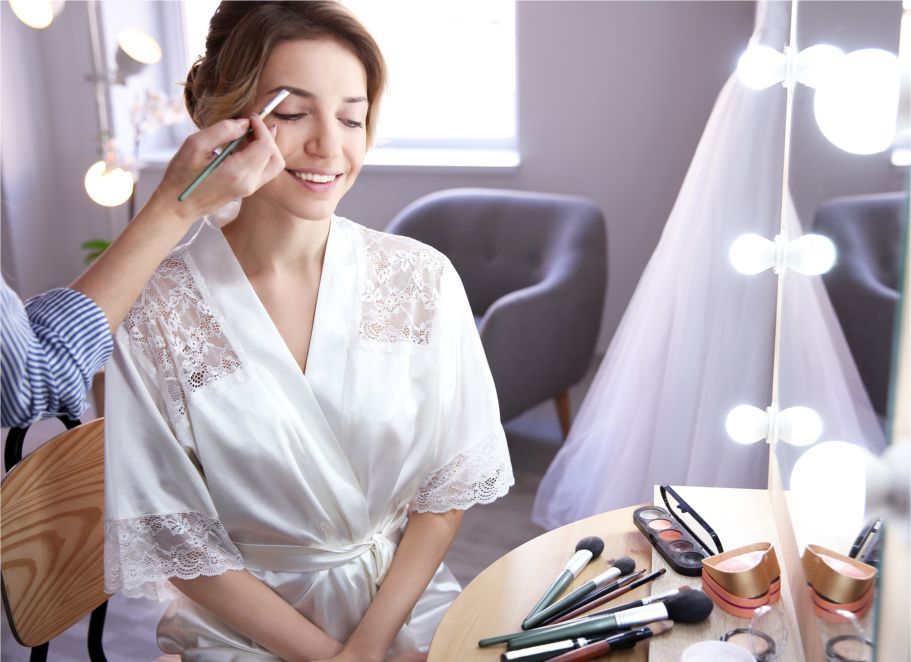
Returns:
(402,290)
(143,553)
(481,474)
(696,339)
(220,453)
(178,335)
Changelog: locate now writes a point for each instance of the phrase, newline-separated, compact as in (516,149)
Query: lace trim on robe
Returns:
(143,553)
(179,335)
(480,474)
(402,289)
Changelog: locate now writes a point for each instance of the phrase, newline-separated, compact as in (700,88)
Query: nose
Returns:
(325,140)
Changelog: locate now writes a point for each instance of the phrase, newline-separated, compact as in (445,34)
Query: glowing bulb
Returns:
(36,14)
(139,46)
(810,254)
(857,109)
(818,64)
(828,480)
(108,186)
(751,254)
(747,424)
(799,426)
(761,67)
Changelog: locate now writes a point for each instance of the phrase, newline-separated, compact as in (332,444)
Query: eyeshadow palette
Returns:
(681,550)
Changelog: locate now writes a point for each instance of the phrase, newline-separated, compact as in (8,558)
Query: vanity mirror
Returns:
(830,407)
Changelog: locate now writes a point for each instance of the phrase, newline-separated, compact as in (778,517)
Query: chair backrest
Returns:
(52,535)
(501,241)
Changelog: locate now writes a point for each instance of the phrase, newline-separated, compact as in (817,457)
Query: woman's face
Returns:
(321,125)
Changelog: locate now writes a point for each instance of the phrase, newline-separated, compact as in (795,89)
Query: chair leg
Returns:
(39,653)
(96,630)
(562,401)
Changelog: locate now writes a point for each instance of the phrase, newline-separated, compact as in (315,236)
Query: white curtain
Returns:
(697,337)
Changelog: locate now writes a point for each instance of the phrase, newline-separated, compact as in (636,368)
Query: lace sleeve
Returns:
(142,554)
(480,474)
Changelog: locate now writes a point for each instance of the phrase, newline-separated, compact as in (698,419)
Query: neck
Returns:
(267,241)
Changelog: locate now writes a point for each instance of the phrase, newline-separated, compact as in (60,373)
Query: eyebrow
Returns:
(296,91)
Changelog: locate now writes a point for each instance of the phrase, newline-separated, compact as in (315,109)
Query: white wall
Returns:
(613,97)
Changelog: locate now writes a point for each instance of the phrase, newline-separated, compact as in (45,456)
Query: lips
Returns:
(315,180)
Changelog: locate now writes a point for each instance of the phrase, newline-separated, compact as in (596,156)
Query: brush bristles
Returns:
(689,607)
(593,544)
(625,565)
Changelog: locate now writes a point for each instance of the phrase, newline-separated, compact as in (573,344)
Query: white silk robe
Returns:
(222,454)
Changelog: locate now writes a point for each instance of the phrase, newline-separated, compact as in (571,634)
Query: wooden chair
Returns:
(52,537)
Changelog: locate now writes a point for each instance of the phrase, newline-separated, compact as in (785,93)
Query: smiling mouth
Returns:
(314,177)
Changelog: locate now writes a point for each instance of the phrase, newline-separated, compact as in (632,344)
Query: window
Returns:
(451,96)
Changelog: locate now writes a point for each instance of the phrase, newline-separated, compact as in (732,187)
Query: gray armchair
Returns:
(863,284)
(534,267)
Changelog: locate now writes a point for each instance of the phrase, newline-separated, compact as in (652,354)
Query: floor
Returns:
(487,533)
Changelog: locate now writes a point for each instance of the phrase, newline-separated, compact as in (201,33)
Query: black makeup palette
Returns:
(675,541)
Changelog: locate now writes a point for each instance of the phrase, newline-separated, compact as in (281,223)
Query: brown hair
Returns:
(241,37)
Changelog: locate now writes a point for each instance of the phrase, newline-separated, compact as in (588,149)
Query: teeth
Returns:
(313,177)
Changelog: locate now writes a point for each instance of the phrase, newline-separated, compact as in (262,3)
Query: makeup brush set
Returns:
(556,629)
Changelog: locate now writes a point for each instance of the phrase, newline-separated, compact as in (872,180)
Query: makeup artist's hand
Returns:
(254,163)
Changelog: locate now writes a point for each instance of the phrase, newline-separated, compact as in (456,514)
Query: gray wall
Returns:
(613,97)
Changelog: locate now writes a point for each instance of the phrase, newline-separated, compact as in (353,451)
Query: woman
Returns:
(300,408)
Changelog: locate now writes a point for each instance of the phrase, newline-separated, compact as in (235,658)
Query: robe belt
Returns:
(381,546)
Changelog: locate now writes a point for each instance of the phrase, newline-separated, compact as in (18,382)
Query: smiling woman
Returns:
(300,408)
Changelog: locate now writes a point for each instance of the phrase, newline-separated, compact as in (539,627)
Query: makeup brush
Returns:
(610,588)
(231,146)
(594,601)
(615,643)
(586,550)
(658,597)
(689,607)
(622,566)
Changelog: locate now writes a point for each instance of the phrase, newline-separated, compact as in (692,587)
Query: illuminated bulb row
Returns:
(799,426)
(810,254)
(857,94)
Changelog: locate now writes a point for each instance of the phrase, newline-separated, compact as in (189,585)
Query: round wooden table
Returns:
(499,598)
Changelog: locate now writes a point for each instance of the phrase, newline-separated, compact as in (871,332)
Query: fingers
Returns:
(218,135)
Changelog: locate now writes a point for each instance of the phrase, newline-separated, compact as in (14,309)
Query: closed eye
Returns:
(353,124)
(293,117)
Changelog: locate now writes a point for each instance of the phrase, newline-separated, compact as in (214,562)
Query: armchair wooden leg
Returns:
(562,401)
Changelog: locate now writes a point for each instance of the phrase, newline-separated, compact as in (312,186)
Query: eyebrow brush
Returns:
(231,146)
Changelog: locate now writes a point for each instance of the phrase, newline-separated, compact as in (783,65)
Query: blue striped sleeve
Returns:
(51,348)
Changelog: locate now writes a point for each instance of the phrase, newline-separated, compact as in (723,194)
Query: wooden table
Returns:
(499,598)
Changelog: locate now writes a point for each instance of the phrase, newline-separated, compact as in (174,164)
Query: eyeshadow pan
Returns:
(660,524)
(651,514)
(692,558)
(670,534)
(679,546)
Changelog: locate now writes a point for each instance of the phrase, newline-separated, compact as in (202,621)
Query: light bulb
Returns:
(36,14)
(828,481)
(760,67)
(818,64)
(857,109)
(747,424)
(810,254)
(108,186)
(751,254)
(799,426)
(139,46)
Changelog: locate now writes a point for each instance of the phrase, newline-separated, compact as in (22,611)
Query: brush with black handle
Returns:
(586,550)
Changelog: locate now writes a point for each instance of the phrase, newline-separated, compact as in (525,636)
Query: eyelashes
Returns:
(294,117)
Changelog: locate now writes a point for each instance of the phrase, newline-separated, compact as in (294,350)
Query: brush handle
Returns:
(544,614)
(555,589)
(230,147)
(591,628)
